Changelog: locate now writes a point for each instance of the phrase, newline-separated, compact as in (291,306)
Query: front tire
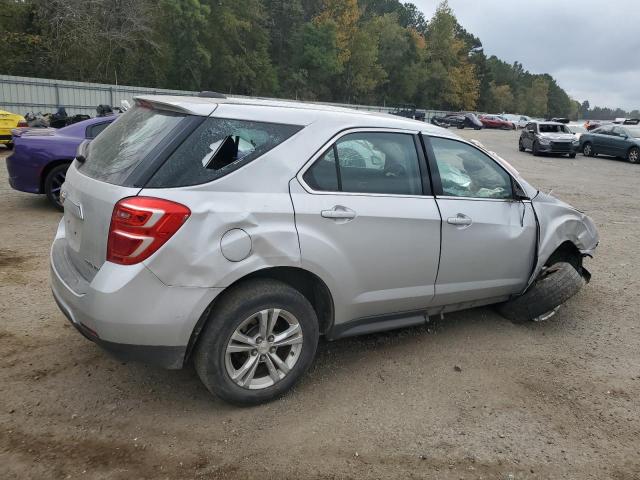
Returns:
(634,155)
(53,184)
(521,146)
(555,285)
(587,150)
(535,149)
(259,340)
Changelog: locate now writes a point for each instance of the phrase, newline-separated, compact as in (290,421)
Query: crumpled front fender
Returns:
(560,223)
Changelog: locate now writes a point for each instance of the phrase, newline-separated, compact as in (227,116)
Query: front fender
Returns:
(559,223)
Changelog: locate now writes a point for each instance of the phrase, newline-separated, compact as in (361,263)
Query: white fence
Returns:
(25,94)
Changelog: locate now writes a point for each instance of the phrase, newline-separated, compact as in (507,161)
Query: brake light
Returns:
(140,226)
(22,123)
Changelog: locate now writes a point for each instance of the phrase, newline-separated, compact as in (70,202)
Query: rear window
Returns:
(216,148)
(116,152)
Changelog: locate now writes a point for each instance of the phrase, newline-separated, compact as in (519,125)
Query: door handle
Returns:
(339,213)
(460,220)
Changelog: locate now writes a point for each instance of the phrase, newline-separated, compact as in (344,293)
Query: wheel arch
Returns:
(48,167)
(312,287)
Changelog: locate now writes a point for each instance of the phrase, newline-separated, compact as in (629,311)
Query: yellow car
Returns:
(9,121)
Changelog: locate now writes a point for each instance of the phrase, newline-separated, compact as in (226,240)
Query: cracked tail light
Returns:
(140,226)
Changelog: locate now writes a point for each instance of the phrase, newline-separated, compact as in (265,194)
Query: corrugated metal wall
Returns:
(25,94)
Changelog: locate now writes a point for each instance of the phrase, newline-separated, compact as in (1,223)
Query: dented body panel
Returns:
(559,222)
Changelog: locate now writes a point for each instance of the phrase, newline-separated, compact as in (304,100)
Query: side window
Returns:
(467,172)
(218,147)
(94,130)
(619,132)
(323,174)
(369,162)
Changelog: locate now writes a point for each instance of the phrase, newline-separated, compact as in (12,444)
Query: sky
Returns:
(591,47)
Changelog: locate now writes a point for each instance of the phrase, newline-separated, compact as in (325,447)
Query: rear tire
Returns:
(634,155)
(572,155)
(554,286)
(244,303)
(53,184)
(9,145)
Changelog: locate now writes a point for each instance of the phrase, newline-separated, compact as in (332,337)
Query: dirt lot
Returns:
(559,399)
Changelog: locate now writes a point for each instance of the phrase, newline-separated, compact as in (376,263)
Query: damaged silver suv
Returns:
(233,233)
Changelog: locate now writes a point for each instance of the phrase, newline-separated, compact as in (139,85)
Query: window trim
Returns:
(435,172)
(331,144)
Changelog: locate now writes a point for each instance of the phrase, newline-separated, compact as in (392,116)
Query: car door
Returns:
(368,224)
(619,142)
(488,238)
(601,140)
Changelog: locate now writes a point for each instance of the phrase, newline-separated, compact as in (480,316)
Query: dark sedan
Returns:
(622,141)
(458,120)
(41,156)
(548,137)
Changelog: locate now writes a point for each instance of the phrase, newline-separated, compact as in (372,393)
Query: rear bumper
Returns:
(23,177)
(127,310)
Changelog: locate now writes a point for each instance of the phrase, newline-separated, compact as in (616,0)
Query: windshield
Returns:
(120,148)
(634,131)
(553,128)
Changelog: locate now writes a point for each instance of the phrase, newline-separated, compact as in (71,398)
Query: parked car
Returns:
(577,129)
(593,124)
(233,233)
(458,120)
(42,155)
(8,121)
(622,141)
(409,111)
(548,137)
(494,121)
(520,121)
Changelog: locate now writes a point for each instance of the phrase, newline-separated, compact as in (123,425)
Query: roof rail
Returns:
(209,94)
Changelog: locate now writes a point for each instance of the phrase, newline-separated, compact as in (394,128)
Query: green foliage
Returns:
(360,51)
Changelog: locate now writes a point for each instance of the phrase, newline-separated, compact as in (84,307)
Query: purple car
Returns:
(41,156)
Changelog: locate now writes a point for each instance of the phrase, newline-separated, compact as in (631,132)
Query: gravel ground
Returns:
(471,396)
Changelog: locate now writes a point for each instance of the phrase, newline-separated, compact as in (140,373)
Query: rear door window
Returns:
(216,148)
(112,156)
(369,162)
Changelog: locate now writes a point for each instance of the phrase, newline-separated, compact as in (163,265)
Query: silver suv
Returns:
(234,233)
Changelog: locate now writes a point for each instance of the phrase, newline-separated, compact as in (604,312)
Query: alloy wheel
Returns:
(634,155)
(263,349)
(56,185)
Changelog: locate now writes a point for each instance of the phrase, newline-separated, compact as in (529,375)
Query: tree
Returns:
(502,98)
(537,98)
(450,79)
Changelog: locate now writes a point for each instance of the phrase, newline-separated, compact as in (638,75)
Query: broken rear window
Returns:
(218,147)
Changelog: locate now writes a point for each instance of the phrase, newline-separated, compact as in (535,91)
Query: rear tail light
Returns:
(22,123)
(140,226)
